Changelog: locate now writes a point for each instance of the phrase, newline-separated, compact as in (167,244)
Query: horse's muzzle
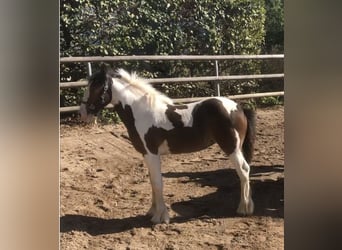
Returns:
(85,116)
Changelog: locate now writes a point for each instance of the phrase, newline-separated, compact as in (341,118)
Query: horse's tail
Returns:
(248,143)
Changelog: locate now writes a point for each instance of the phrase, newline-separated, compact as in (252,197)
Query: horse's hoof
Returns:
(151,211)
(245,209)
(161,217)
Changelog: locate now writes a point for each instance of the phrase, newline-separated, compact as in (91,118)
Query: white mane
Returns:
(141,88)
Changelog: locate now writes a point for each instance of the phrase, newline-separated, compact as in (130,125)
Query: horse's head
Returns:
(98,93)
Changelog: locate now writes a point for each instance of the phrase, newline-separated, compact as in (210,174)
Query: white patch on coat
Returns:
(229,104)
(158,209)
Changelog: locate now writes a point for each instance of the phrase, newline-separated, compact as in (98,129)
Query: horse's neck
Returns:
(130,106)
(123,102)
(121,93)
(125,113)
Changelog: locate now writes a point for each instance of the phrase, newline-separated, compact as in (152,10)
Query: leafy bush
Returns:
(274,25)
(270,101)
(157,27)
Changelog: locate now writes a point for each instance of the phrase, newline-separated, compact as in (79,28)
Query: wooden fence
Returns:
(216,78)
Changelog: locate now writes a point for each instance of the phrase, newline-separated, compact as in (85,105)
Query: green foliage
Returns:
(270,101)
(157,27)
(71,96)
(274,44)
(274,25)
(182,90)
(248,104)
(108,116)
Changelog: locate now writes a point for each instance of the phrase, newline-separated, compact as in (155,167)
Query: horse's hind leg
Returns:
(246,205)
(229,142)
(158,210)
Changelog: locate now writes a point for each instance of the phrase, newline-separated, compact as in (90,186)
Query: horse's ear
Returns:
(104,68)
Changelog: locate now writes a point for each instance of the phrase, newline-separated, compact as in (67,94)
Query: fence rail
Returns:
(185,79)
(167,58)
(216,78)
(187,100)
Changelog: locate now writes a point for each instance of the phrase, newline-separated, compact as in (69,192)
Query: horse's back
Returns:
(214,110)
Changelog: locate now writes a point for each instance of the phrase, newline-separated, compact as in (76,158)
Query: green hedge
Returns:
(157,27)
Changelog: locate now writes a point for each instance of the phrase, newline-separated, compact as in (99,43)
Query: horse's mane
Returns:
(140,86)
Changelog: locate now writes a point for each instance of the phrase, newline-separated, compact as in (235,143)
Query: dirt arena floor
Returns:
(105,193)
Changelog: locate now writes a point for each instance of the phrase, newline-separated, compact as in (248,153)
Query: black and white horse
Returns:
(157,126)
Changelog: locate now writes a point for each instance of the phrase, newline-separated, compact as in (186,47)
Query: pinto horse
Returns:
(157,126)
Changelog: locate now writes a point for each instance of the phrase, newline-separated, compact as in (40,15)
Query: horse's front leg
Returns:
(158,210)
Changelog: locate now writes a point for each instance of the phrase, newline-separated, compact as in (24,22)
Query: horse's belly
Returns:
(187,142)
(190,148)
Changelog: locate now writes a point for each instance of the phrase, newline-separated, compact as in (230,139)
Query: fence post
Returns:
(89,71)
(217,86)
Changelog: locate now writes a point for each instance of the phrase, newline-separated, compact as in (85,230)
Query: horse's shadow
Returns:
(267,193)
(268,196)
(96,226)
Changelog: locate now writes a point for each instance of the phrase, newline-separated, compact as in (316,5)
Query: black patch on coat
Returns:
(175,118)
(211,123)
(126,115)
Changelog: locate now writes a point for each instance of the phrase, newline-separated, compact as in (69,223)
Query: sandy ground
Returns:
(105,193)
